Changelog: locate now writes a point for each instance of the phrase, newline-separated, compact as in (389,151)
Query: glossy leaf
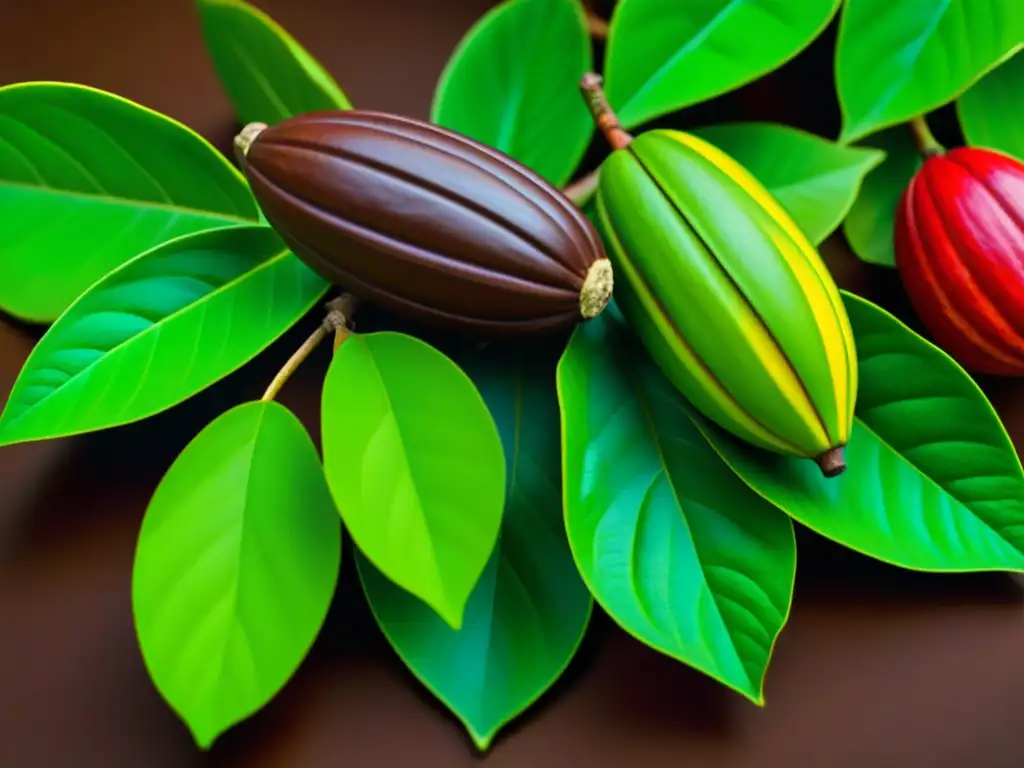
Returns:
(513,83)
(89,180)
(899,59)
(664,55)
(872,218)
(415,463)
(267,74)
(529,611)
(815,180)
(235,567)
(992,111)
(671,543)
(157,330)
(933,482)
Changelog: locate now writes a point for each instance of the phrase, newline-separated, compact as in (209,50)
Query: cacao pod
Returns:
(427,222)
(959,244)
(726,293)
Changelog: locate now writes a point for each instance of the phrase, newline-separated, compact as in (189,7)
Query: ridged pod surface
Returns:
(959,243)
(728,296)
(427,222)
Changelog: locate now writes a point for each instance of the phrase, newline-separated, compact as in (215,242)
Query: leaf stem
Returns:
(337,321)
(923,138)
(597,26)
(581,190)
(591,86)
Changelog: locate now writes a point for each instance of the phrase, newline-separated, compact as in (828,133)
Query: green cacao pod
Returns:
(729,297)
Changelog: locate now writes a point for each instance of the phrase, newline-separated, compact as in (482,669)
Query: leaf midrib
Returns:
(681,52)
(412,475)
(882,104)
(250,446)
(643,401)
(812,179)
(929,479)
(127,202)
(154,328)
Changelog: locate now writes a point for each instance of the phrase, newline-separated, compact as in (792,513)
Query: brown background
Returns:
(877,667)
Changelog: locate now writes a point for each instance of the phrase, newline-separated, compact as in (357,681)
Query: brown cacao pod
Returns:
(427,222)
(959,243)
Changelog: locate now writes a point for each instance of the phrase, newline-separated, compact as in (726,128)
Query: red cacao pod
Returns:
(959,243)
(427,222)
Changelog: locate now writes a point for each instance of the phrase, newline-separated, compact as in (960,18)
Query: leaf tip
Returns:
(451,615)
(204,734)
(482,741)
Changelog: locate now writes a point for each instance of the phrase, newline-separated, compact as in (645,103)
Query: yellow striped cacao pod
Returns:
(727,294)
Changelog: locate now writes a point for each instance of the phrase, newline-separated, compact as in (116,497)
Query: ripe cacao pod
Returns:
(427,222)
(959,243)
(726,293)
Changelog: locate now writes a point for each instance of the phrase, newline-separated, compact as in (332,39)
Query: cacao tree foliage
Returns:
(494,491)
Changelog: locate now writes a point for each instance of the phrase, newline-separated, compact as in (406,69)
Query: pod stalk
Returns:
(591,86)
(832,462)
(926,143)
(338,321)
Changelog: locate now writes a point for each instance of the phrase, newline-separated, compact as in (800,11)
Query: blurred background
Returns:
(877,666)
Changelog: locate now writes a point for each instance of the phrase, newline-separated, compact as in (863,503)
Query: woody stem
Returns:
(597,26)
(581,190)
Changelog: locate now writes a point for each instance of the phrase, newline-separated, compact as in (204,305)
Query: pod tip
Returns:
(245,138)
(832,461)
(597,288)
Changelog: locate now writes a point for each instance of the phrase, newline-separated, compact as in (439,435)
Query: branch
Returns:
(337,321)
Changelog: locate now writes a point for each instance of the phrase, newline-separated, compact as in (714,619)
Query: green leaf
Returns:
(235,567)
(814,179)
(267,75)
(933,483)
(870,223)
(89,180)
(513,83)
(898,60)
(157,330)
(528,613)
(415,463)
(664,55)
(675,548)
(992,111)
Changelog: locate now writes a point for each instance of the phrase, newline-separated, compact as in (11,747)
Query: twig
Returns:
(337,321)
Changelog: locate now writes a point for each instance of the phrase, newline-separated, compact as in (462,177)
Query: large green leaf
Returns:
(415,463)
(933,481)
(513,83)
(670,542)
(235,568)
(664,55)
(992,111)
(815,180)
(157,330)
(896,59)
(89,180)
(529,611)
(268,76)
(869,225)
